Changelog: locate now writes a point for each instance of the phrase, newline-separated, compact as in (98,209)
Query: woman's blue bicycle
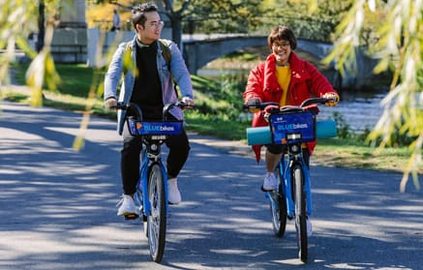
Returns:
(151,196)
(292,126)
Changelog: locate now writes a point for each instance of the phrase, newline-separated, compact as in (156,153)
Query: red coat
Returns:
(306,81)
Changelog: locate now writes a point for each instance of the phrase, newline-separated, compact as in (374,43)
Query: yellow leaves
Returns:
(128,64)
(41,70)
(312,6)
(101,15)
(372,5)
(398,45)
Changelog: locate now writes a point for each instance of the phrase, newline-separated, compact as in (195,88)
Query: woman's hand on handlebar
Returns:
(334,99)
(253,105)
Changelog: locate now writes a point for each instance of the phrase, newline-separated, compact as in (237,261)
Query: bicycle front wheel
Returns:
(300,213)
(156,221)
(278,207)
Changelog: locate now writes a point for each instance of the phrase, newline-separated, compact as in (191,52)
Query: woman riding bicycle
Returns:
(287,79)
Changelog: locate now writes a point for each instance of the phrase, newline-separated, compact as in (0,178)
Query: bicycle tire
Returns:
(278,207)
(156,221)
(300,213)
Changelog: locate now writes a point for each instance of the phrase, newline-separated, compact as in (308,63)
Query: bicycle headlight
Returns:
(158,137)
(293,136)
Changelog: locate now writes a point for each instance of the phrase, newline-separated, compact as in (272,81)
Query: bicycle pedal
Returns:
(131,216)
(265,190)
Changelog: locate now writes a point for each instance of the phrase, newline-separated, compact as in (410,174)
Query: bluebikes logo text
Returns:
(282,127)
(283,124)
(158,128)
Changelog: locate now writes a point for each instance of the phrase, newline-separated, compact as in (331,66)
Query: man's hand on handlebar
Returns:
(334,99)
(110,103)
(188,101)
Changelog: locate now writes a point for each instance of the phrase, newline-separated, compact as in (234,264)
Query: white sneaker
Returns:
(126,206)
(309,227)
(174,196)
(270,183)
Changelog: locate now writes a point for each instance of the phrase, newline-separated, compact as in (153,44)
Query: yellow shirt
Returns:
(283,75)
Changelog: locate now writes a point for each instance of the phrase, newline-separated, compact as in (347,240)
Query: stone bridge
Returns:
(202,49)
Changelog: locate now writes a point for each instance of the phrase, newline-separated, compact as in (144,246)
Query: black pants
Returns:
(130,158)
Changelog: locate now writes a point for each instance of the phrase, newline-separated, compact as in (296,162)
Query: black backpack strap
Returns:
(167,55)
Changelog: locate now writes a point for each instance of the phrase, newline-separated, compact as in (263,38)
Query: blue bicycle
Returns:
(151,196)
(292,126)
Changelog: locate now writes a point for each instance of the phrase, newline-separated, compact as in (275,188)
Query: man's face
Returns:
(152,28)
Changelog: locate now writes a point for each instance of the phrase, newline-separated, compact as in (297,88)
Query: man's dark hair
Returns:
(280,33)
(138,13)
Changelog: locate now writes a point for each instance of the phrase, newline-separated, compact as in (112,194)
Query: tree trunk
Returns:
(41,26)
(177,31)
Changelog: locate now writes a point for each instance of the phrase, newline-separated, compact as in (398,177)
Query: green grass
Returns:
(215,126)
(75,80)
(350,153)
(218,103)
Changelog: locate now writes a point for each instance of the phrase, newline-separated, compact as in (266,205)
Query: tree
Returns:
(398,43)
(223,16)
(310,21)
(219,16)
(17,21)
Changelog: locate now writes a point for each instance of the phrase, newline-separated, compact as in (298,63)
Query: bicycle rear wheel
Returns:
(300,213)
(156,221)
(278,207)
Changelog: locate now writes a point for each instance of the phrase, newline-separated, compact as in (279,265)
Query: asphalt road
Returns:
(57,207)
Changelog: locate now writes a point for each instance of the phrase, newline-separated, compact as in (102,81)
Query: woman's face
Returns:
(281,49)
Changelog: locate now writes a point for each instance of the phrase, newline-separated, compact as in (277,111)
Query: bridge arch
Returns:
(201,50)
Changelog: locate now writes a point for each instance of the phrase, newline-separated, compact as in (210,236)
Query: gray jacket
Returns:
(178,70)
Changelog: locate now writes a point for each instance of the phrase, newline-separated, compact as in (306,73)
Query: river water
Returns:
(358,110)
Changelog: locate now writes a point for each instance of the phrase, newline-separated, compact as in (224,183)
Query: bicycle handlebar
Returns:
(137,110)
(305,103)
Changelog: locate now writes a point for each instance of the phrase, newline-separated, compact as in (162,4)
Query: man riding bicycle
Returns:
(150,86)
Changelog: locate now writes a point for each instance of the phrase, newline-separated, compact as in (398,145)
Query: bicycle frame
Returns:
(154,135)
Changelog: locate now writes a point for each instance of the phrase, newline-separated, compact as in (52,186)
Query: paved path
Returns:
(57,207)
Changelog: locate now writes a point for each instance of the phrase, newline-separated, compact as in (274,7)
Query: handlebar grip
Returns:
(260,106)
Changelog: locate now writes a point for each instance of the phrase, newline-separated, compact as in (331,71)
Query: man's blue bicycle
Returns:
(292,126)
(151,196)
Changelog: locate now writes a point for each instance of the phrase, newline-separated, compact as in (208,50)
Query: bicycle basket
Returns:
(155,128)
(295,127)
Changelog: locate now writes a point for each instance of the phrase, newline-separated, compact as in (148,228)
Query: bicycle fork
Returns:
(287,170)
(143,199)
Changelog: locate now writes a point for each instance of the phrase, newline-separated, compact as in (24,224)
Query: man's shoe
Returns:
(309,227)
(127,206)
(174,196)
(269,183)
